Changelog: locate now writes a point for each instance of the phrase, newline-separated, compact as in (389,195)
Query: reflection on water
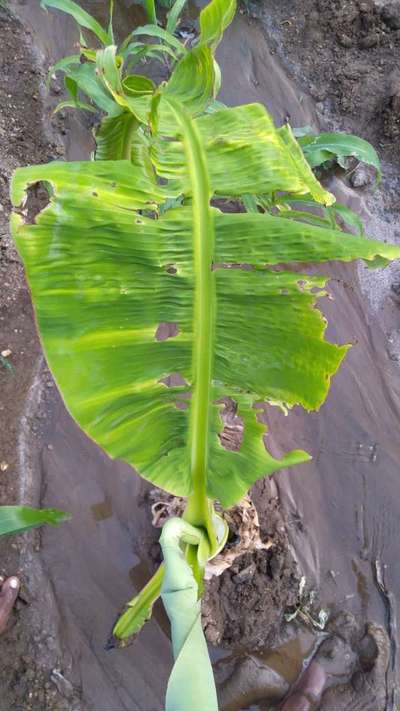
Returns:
(102,510)
(362,587)
(289,659)
(246,679)
(139,575)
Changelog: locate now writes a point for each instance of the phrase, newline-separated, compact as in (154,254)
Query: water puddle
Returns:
(245,678)
(102,510)
(289,659)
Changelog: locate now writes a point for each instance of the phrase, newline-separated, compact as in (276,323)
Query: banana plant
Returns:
(134,239)
(106,268)
(84,86)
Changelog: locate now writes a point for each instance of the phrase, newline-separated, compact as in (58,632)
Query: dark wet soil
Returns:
(29,650)
(334,521)
(244,608)
(349,55)
(341,508)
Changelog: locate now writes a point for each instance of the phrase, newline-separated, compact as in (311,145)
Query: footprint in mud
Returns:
(348,671)
(361,659)
(366,689)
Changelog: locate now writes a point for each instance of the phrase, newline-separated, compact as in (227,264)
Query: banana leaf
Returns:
(106,268)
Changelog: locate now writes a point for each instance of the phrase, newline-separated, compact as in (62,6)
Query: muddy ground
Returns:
(23,139)
(348,54)
(334,522)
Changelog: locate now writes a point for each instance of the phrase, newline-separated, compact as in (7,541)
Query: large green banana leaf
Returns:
(105,269)
(244,152)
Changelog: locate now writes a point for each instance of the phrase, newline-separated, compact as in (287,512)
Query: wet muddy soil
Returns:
(25,682)
(244,608)
(348,55)
(333,523)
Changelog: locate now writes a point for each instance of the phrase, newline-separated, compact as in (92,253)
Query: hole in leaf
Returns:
(231,265)
(228,205)
(171,269)
(181,405)
(150,214)
(166,330)
(173,379)
(37,198)
(231,437)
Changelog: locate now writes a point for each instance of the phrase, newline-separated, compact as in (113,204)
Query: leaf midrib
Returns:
(197,512)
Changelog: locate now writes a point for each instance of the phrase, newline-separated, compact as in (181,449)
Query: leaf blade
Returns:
(140,608)
(16,519)
(173,15)
(153,30)
(83,18)
(330,145)
(93,307)
(215,17)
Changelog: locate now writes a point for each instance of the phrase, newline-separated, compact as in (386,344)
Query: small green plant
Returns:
(134,239)
(17,519)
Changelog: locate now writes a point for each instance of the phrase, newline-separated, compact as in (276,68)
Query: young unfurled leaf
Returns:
(74,102)
(140,608)
(137,85)
(181,600)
